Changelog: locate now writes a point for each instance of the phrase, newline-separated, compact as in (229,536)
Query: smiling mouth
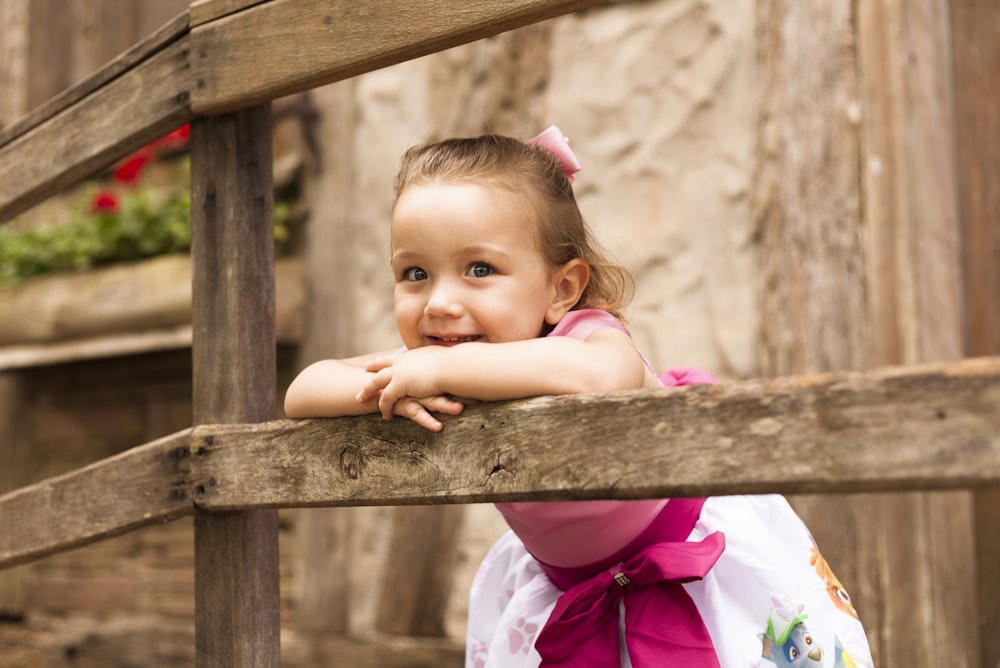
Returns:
(453,340)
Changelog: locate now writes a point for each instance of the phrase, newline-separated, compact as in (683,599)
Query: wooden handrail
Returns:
(237,54)
(145,485)
(924,427)
(275,48)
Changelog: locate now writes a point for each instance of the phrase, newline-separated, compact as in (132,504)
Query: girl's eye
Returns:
(414,274)
(480,270)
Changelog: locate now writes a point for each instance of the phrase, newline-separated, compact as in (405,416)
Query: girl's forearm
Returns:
(555,365)
(328,389)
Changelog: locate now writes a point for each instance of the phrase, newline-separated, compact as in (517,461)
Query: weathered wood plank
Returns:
(237,606)
(423,548)
(119,310)
(14,473)
(119,117)
(932,427)
(976,37)
(142,486)
(124,638)
(975,28)
(203,11)
(323,537)
(914,314)
(285,46)
(156,42)
(14,60)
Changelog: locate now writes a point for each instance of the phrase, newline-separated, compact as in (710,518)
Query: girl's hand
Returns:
(419,410)
(405,385)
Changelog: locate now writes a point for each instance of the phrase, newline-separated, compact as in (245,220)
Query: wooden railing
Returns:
(928,427)
(217,67)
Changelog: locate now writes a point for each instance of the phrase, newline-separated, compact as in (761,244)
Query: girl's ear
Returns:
(569,282)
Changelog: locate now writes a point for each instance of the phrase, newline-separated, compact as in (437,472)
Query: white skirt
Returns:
(770,600)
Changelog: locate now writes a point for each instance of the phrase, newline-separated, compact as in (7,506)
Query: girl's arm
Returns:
(329,388)
(605,362)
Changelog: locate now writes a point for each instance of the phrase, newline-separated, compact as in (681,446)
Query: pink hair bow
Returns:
(553,141)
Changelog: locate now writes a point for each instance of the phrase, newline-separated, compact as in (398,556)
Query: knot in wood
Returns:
(352,462)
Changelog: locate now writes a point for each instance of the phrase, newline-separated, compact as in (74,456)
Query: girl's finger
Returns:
(443,404)
(371,388)
(415,411)
(387,402)
(378,363)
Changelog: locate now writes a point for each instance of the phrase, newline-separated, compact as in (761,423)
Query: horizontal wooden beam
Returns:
(285,46)
(88,135)
(927,427)
(932,427)
(142,486)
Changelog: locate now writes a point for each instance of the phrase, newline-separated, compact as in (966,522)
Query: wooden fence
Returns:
(218,66)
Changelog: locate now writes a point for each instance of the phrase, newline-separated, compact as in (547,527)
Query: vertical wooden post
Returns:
(859,233)
(236,553)
(13,60)
(14,456)
(323,535)
(975,26)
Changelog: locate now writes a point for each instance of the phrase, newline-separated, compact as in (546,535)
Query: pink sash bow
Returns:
(662,623)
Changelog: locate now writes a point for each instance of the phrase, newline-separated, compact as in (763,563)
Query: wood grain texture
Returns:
(423,553)
(237,604)
(915,311)
(232,254)
(931,428)
(323,537)
(975,27)
(976,35)
(807,200)
(286,46)
(142,486)
(203,11)
(141,51)
(15,453)
(14,59)
(119,117)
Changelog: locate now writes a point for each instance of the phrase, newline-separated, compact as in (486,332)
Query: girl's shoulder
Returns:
(584,322)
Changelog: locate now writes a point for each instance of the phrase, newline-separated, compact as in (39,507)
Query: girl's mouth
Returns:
(453,340)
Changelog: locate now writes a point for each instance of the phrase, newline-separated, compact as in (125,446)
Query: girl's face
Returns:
(468,267)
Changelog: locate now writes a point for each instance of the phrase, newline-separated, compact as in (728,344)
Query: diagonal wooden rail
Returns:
(227,55)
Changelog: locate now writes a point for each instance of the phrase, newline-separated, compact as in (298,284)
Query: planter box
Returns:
(119,310)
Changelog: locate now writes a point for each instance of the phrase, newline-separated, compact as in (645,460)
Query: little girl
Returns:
(501,293)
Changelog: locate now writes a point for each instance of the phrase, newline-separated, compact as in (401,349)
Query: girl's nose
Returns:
(443,302)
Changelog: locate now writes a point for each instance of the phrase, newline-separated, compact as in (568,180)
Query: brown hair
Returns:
(518,167)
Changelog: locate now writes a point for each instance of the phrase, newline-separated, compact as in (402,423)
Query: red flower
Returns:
(104,202)
(131,168)
(175,140)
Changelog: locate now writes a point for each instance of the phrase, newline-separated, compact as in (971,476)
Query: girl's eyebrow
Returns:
(468,252)
(479,249)
(403,256)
